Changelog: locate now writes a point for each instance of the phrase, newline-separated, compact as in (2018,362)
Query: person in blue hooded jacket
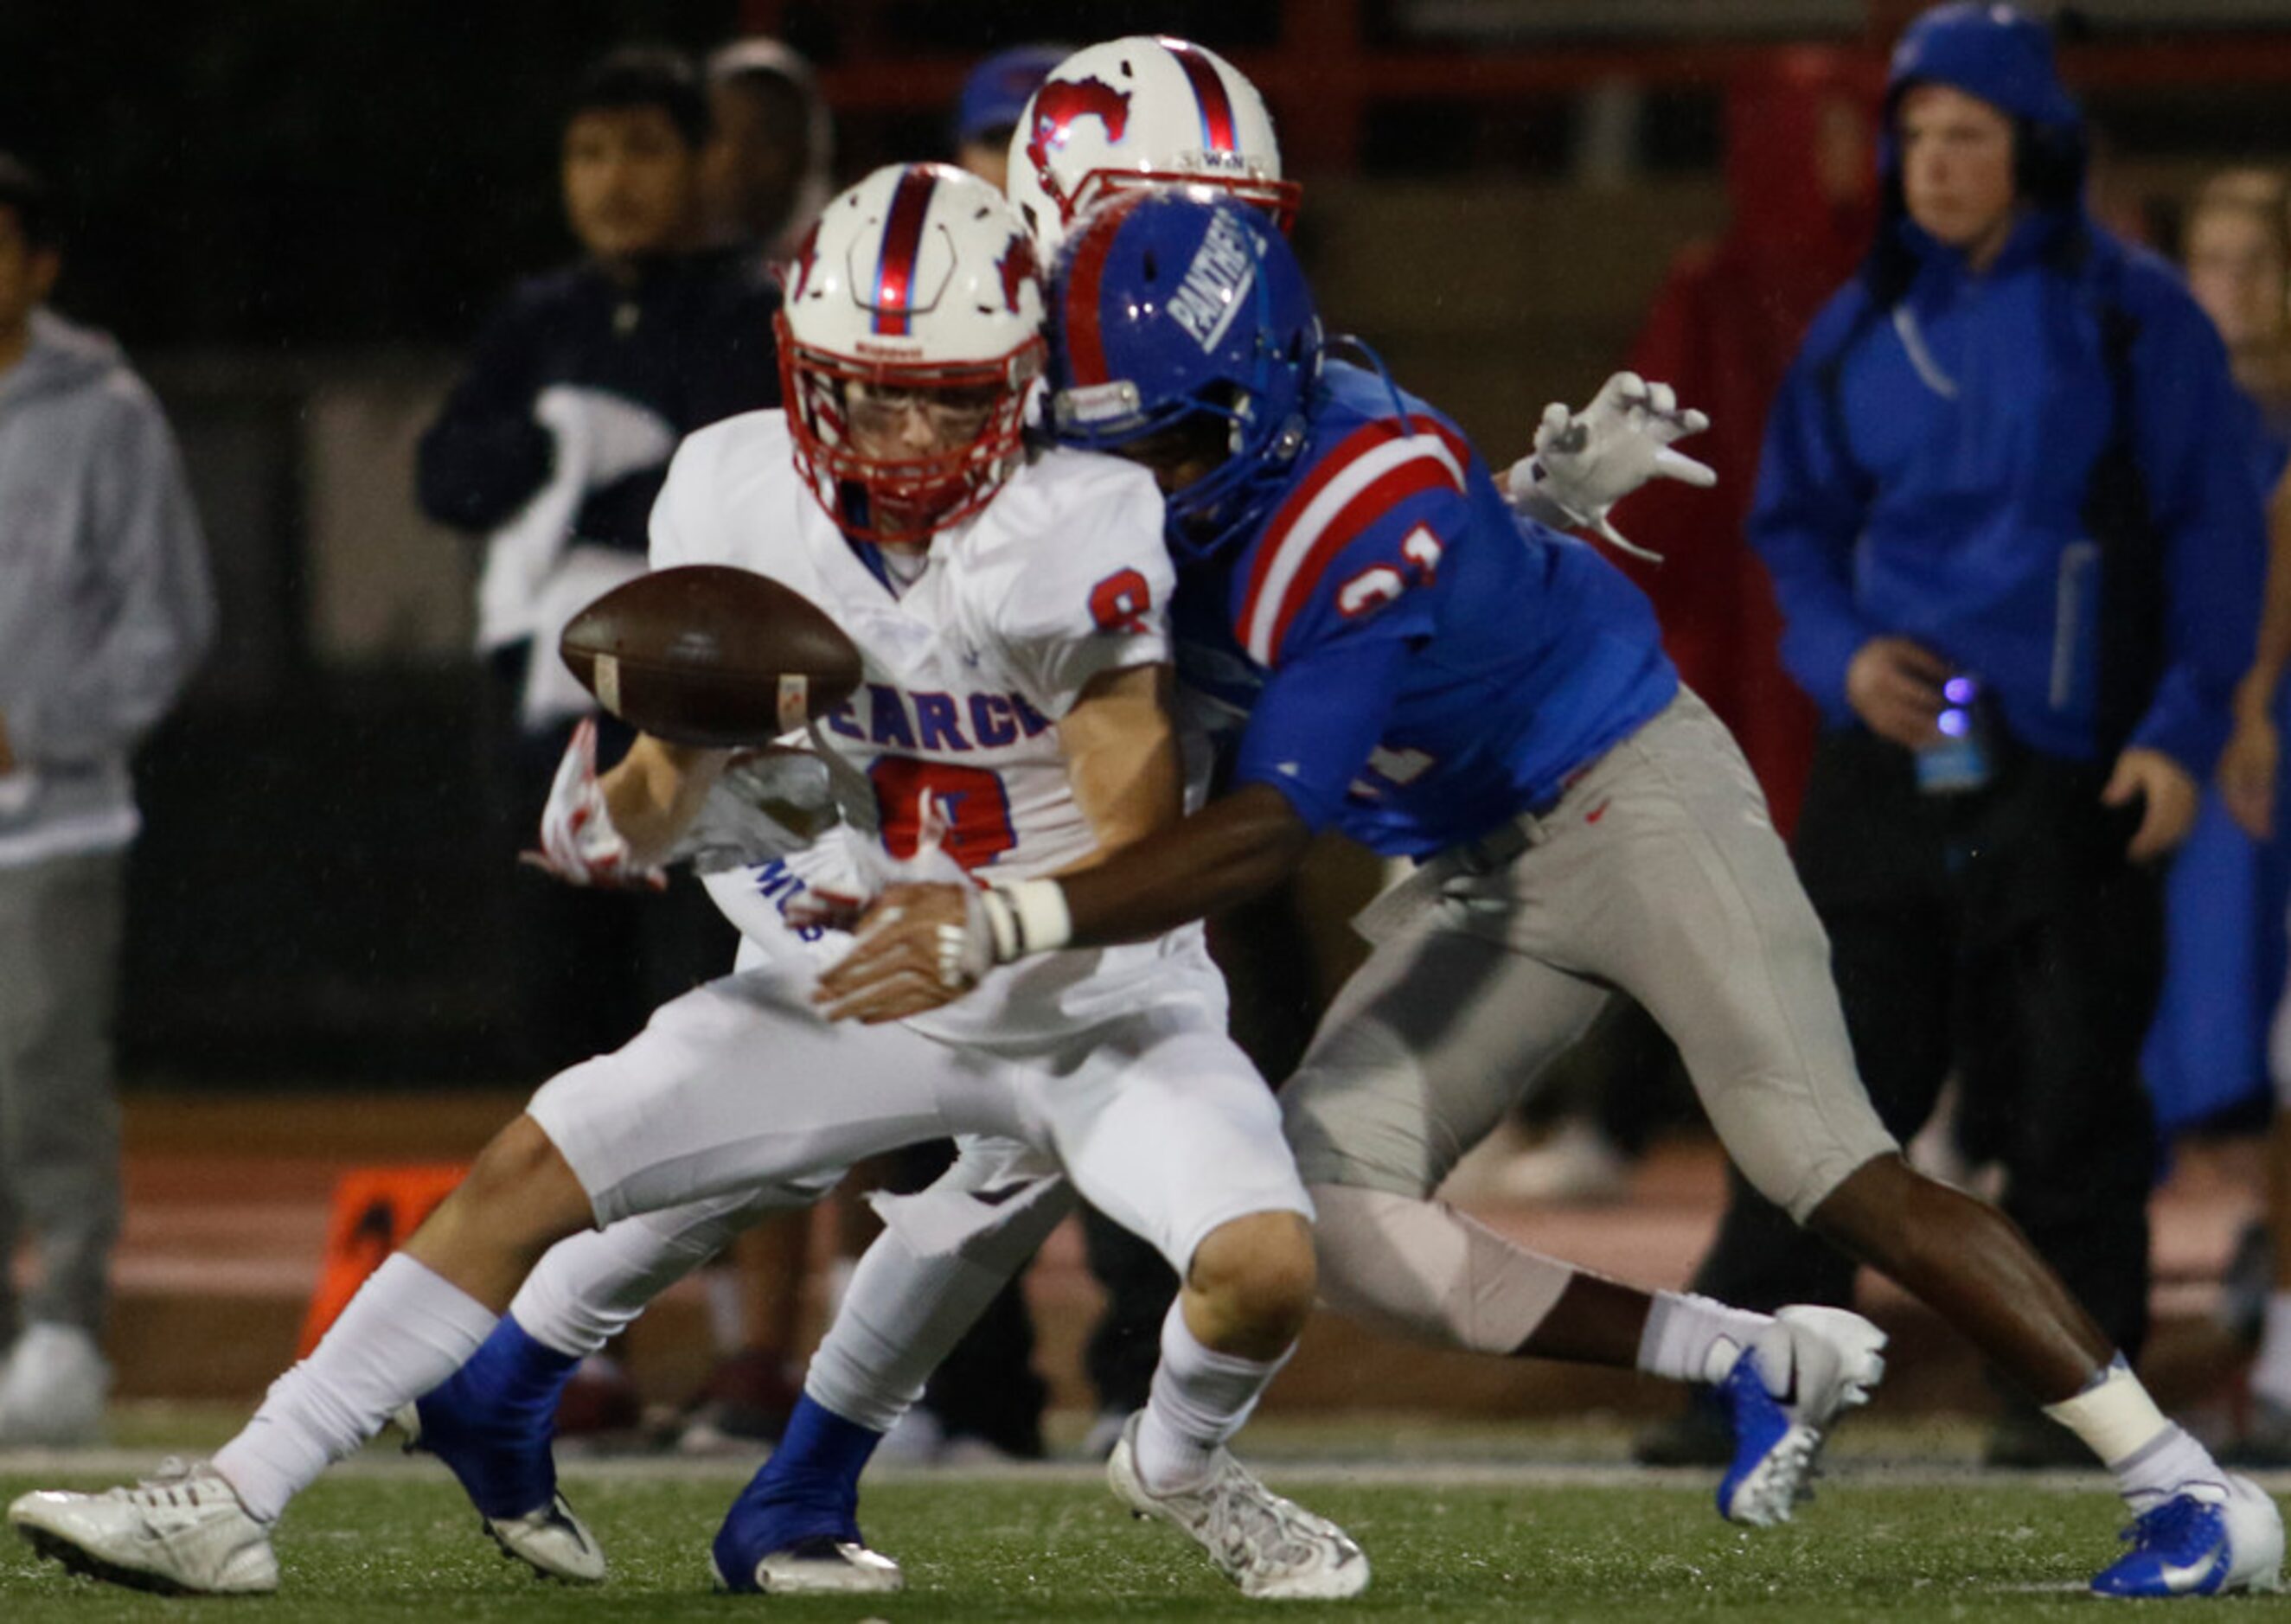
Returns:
(2018,545)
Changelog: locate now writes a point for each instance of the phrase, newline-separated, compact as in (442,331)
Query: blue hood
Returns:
(1992,51)
(2005,57)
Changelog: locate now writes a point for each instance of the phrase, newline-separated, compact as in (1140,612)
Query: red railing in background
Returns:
(1323,74)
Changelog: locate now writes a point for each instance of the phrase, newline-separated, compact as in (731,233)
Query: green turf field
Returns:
(398,1543)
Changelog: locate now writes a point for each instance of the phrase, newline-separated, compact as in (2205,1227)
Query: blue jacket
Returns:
(2041,472)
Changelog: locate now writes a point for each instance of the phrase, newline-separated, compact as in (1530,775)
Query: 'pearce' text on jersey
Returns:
(893,718)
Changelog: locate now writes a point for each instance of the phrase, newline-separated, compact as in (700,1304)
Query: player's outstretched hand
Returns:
(919,947)
(578,842)
(1585,462)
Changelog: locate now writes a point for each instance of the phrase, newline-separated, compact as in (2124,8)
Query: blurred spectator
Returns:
(1802,183)
(2225,898)
(553,446)
(769,164)
(993,98)
(106,610)
(2232,883)
(2008,505)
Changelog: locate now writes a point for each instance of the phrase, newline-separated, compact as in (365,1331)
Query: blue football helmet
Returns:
(1180,317)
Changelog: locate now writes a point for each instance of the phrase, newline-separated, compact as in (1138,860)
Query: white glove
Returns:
(771,804)
(1584,463)
(578,842)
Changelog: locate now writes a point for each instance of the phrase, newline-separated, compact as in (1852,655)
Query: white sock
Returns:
(1697,1339)
(406,1330)
(2152,1457)
(2271,1371)
(1199,1398)
(902,1314)
(589,1287)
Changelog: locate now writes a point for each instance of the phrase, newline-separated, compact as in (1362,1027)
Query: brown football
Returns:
(704,654)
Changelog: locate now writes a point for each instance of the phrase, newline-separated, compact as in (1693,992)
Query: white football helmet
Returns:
(916,292)
(1146,110)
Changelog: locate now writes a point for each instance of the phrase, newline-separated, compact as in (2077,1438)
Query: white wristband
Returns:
(1029,917)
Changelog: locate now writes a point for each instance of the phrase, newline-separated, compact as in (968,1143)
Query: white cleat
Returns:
(821,1566)
(553,1541)
(1273,1548)
(183,1531)
(550,1539)
(2209,1538)
(1797,1377)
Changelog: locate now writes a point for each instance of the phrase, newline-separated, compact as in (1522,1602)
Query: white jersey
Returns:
(1061,577)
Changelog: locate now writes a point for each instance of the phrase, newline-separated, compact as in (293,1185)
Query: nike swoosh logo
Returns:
(2191,1577)
(1596,813)
(559,1518)
(996,1197)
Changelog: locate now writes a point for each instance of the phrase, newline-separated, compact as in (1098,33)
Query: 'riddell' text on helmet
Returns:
(1142,111)
(917,292)
(1179,314)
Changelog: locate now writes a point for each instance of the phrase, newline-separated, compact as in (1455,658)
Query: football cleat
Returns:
(1273,1548)
(1794,1379)
(820,1565)
(2206,1540)
(182,1532)
(553,1541)
(550,1539)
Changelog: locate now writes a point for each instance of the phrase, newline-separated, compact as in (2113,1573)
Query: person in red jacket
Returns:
(1803,182)
(1802,179)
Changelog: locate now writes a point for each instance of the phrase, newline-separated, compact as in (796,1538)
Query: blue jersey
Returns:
(1416,663)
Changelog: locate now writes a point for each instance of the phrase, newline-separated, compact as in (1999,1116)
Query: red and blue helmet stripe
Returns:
(1218,129)
(902,248)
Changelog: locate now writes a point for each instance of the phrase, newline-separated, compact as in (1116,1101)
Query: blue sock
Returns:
(809,1488)
(492,1421)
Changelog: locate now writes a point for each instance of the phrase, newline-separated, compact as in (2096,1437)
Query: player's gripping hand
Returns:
(920,946)
(1585,462)
(578,842)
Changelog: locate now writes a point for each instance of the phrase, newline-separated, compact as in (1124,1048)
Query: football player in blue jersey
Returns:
(1406,660)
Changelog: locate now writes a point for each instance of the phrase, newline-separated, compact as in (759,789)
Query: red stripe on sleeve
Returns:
(1366,437)
(1378,498)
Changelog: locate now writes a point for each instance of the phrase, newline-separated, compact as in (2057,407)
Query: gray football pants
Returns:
(1659,872)
(59,933)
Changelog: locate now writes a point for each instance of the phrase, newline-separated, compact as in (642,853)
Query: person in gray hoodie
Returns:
(105,609)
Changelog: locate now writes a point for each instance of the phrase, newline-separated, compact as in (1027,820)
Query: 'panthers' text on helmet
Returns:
(1141,111)
(917,291)
(1180,313)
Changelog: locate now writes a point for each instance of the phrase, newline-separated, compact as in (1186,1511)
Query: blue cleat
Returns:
(794,1530)
(1780,1397)
(2206,1540)
(491,1423)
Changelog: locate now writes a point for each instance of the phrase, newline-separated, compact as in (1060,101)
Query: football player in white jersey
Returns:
(1011,616)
